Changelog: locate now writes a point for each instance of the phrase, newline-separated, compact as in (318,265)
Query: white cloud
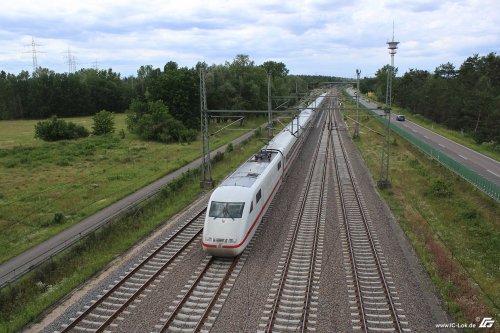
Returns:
(311,36)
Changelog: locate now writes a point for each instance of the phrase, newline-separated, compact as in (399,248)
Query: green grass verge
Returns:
(48,187)
(488,149)
(454,228)
(24,301)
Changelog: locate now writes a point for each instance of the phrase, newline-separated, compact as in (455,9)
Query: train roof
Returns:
(314,104)
(248,173)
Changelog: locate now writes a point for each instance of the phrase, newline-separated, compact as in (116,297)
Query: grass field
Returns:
(47,187)
(15,133)
(24,300)
(454,227)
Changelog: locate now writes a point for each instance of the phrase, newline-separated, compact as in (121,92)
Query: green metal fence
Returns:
(488,187)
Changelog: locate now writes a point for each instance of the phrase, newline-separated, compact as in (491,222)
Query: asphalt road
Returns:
(21,264)
(477,162)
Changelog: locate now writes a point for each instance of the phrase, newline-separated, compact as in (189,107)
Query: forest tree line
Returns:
(238,84)
(463,99)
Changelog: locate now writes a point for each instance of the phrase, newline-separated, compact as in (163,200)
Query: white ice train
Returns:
(236,207)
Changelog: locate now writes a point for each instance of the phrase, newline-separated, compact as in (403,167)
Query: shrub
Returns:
(59,218)
(218,157)
(419,168)
(104,123)
(58,129)
(470,213)
(75,131)
(152,121)
(441,188)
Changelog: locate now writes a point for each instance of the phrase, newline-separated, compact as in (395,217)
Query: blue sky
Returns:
(327,37)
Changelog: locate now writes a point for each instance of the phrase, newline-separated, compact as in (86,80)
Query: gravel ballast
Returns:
(244,306)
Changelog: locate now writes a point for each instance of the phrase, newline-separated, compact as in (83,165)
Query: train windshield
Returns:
(233,210)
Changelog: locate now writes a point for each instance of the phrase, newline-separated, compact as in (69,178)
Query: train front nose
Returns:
(223,225)
(221,237)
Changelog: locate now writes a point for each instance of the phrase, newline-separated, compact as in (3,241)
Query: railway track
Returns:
(198,306)
(373,299)
(99,315)
(199,303)
(192,309)
(292,304)
(110,308)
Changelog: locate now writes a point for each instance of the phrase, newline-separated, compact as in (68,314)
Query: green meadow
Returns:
(47,187)
(26,299)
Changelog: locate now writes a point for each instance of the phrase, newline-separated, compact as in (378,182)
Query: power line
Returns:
(71,62)
(206,174)
(34,51)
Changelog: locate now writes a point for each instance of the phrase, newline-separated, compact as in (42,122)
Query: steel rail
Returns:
(315,242)
(364,325)
(188,294)
(210,306)
(131,273)
(184,299)
(370,238)
(284,272)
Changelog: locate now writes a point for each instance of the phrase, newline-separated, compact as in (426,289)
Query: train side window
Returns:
(279,165)
(258,196)
(251,206)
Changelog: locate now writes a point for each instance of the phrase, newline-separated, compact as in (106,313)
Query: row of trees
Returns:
(46,93)
(465,99)
(236,85)
(239,84)
(167,103)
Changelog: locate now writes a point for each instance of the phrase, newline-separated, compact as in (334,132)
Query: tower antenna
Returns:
(385,168)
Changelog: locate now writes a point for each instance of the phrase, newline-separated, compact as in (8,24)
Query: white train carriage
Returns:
(236,207)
